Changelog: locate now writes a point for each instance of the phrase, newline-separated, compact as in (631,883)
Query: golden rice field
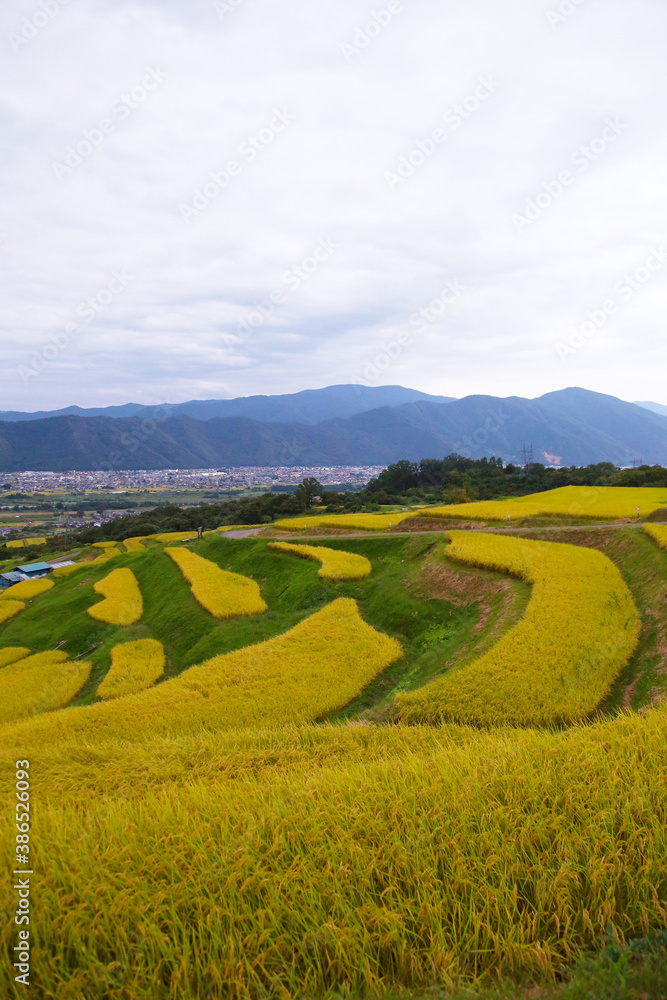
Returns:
(658,533)
(571,501)
(174,536)
(27,589)
(556,665)
(122,604)
(134,545)
(63,571)
(361,522)
(134,667)
(222,594)
(336,565)
(40,683)
(9,608)
(380,856)
(297,677)
(12,653)
(21,543)
(104,545)
(109,552)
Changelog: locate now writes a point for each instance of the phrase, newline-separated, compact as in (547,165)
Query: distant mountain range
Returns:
(311,406)
(569,427)
(654,407)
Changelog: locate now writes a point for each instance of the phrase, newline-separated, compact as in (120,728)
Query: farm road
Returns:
(442,531)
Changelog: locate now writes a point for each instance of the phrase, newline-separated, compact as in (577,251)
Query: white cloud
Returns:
(171,333)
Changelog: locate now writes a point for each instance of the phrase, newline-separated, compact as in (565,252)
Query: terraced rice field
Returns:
(604,502)
(398,779)
(122,604)
(557,664)
(336,565)
(134,667)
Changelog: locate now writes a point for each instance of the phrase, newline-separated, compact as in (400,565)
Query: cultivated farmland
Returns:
(224,595)
(123,604)
(398,761)
(336,565)
(134,666)
(573,501)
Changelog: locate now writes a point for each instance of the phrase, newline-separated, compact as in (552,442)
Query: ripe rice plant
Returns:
(110,552)
(12,653)
(579,631)
(27,589)
(134,666)
(134,545)
(313,669)
(174,536)
(62,571)
(224,595)
(380,856)
(23,542)
(104,545)
(568,501)
(9,608)
(39,683)
(658,533)
(15,544)
(363,522)
(336,565)
(123,604)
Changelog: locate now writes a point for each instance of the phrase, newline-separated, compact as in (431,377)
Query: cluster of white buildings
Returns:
(208,479)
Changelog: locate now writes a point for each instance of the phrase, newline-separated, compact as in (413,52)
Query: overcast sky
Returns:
(211,199)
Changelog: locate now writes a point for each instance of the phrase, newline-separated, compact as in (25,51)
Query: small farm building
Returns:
(32,571)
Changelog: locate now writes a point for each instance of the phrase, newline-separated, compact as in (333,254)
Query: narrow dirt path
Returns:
(442,531)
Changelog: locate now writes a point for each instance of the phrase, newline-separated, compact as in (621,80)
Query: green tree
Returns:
(308,489)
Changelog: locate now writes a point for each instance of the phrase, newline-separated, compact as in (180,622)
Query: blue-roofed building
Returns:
(32,571)
(9,579)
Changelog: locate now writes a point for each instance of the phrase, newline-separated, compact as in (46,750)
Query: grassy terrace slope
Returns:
(393,600)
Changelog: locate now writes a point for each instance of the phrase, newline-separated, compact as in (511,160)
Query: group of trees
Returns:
(459,480)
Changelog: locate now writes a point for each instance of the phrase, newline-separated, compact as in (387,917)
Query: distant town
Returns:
(33,504)
(209,479)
